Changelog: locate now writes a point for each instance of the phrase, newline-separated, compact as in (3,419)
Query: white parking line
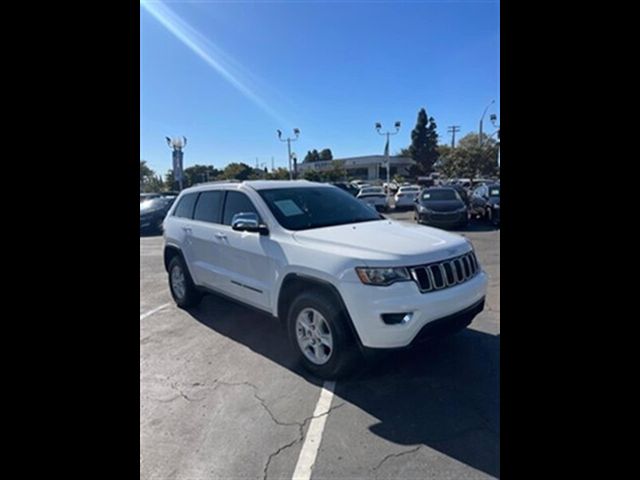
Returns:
(145,315)
(312,441)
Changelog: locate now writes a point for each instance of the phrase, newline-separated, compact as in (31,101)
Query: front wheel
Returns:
(320,336)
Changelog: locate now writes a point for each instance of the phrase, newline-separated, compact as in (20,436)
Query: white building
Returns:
(366,168)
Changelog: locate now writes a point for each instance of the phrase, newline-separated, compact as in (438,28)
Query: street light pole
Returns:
(493,117)
(482,118)
(386,151)
(296,132)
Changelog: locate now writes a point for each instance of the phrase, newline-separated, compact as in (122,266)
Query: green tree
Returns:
(336,173)
(469,159)
(313,176)
(404,152)
(199,174)
(154,184)
(311,156)
(146,174)
(279,174)
(170,180)
(424,144)
(325,154)
(237,171)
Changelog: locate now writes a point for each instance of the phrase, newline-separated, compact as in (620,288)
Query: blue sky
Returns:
(228,74)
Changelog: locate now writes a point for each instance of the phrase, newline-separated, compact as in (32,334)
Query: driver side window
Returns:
(237,202)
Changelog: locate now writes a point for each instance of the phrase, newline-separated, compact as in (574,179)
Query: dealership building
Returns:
(370,167)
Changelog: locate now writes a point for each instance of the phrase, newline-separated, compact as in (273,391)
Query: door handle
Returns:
(186,230)
(220,236)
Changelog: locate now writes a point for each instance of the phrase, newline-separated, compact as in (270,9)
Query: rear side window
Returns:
(185,206)
(237,203)
(209,206)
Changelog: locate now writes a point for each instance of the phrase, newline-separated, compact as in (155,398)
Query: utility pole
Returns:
(272,166)
(452,130)
(296,132)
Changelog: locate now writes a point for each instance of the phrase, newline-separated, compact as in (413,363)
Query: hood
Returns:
(443,205)
(384,242)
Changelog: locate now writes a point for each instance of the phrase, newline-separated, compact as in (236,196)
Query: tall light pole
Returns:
(177,144)
(481,119)
(386,150)
(296,132)
(493,117)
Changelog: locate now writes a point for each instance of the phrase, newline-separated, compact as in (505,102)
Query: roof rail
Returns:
(232,180)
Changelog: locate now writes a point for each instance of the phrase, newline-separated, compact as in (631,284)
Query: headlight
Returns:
(422,209)
(382,276)
(496,206)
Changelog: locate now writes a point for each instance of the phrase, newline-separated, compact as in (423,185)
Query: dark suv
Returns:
(152,213)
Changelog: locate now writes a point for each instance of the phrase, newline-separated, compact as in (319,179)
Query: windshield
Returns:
(436,195)
(494,191)
(409,189)
(302,208)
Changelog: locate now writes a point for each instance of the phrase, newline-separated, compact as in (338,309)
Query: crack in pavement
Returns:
(184,395)
(301,425)
(393,455)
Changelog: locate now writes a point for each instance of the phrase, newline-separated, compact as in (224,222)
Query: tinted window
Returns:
(209,207)
(237,203)
(302,208)
(185,207)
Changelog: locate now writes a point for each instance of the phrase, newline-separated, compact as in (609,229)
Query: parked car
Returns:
(485,202)
(441,207)
(405,196)
(153,211)
(374,197)
(347,187)
(360,184)
(341,279)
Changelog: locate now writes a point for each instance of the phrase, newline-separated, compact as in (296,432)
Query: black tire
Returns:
(344,357)
(191,295)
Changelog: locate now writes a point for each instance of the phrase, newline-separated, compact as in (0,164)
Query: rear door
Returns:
(205,233)
(178,229)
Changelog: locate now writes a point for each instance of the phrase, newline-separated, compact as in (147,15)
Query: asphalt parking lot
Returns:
(221,399)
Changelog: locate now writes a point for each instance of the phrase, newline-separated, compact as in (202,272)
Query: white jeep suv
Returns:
(341,278)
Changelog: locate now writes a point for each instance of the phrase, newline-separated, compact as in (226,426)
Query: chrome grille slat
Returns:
(464,267)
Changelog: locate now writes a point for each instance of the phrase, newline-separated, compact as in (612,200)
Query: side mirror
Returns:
(248,222)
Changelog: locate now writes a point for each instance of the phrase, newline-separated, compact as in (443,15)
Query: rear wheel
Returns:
(181,285)
(320,336)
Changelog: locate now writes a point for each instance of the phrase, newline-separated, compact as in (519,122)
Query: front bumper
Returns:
(444,219)
(366,304)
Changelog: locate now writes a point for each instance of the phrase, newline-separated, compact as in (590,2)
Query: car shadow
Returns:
(444,395)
